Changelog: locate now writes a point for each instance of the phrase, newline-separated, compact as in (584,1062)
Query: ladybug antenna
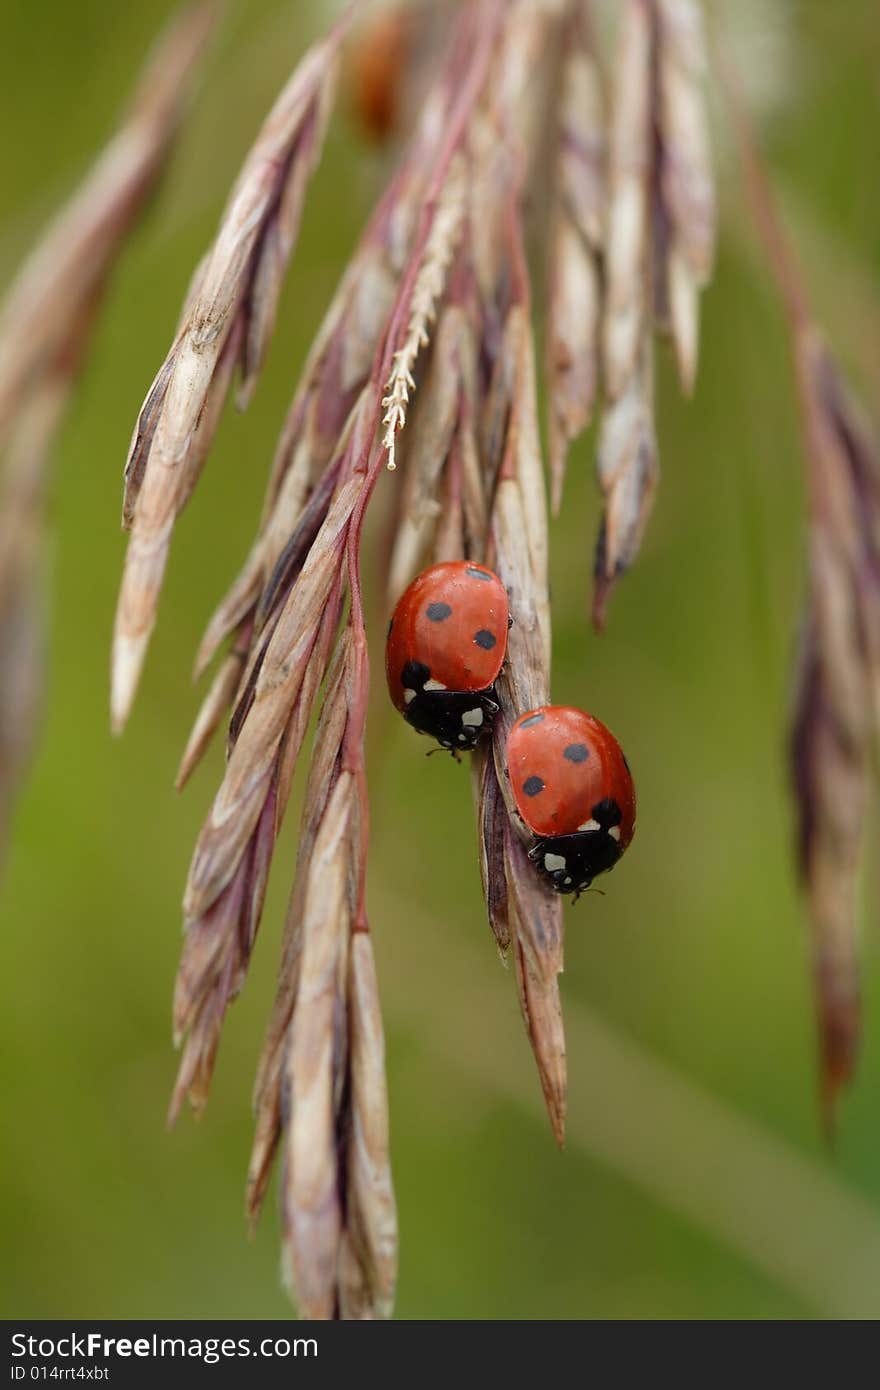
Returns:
(600,891)
(440,749)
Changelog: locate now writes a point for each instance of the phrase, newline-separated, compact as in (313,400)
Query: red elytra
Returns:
(448,638)
(573,789)
(578,763)
(452,619)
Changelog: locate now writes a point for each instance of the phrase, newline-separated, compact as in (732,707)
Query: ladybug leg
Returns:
(442,748)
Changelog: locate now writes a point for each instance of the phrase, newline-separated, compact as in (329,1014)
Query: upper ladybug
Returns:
(446,645)
(573,789)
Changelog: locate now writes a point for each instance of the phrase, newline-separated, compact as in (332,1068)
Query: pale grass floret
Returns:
(661,220)
(687,183)
(626,267)
(371,1215)
(237,804)
(628,469)
(576,243)
(310,1191)
(835,723)
(440,248)
(236,292)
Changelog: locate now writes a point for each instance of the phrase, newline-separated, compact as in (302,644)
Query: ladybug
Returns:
(446,645)
(377,67)
(573,789)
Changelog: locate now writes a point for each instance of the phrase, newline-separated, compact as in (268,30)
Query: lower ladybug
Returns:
(446,645)
(573,788)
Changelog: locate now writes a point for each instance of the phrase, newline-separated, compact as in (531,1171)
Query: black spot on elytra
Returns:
(414,675)
(607,813)
(532,719)
(478,574)
(485,639)
(438,612)
(532,786)
(576,753)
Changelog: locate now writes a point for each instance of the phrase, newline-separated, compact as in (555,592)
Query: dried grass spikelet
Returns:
(224,892)
(235,293)
(215,705)
(685,173)
(628,469)
(836,723)
(627,457)
(324,771)
(523,912)
(310,1198)
(836,718)
(658,256)
(332,382)
(629,173)
(45,326)
(321,1075)
(253,621)
(524,84)
(369,1251)
(576,243)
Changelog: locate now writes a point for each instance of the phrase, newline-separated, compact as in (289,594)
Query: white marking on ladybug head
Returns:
(472,718)
(552,862)
(590,825)
(462,738)
(409,696)
(614,832)
(433,685)
(566,882)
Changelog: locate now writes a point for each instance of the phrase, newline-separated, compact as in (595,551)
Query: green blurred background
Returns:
(695,1183)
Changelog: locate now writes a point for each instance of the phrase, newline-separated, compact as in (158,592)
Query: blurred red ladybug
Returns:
(376,70)
(446,645)
(573,788)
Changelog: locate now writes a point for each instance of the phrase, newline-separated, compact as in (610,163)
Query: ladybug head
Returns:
(456,719)
(569,863)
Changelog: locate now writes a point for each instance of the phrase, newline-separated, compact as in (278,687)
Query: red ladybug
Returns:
(376,72)
(446,646)
(573,788)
